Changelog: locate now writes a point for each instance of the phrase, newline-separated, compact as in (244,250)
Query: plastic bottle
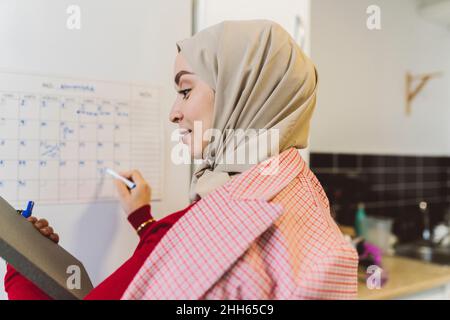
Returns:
(360,218)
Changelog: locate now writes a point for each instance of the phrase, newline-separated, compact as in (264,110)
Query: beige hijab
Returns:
(262,80)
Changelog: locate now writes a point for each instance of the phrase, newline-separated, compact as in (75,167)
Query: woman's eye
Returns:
(185,93)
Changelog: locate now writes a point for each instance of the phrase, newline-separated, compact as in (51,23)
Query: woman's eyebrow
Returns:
(179,75)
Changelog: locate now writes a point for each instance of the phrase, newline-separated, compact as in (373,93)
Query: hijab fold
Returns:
(261,80)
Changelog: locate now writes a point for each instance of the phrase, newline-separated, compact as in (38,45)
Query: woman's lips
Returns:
(184,133)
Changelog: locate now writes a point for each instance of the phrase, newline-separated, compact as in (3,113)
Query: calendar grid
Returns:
(60,142)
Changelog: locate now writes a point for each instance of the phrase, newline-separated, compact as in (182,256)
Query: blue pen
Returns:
(28,211)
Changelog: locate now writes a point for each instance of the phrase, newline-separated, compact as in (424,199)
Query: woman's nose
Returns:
(175,116)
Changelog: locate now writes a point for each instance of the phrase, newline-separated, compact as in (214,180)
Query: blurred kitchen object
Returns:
(426,234)
(378,232)
(360,219)
(441,233)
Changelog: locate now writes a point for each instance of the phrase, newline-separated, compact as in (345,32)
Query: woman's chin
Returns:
(195,155)
(195,150)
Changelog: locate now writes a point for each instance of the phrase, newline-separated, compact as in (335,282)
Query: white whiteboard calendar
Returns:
(58,135)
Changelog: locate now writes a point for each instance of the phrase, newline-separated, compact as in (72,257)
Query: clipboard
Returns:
(39,259)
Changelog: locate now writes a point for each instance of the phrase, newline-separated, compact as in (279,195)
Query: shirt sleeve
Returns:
(20,288)
(139,216)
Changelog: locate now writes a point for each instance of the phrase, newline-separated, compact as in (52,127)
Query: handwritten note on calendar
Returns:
(58,135)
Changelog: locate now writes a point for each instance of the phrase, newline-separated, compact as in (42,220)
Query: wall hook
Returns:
(411,92)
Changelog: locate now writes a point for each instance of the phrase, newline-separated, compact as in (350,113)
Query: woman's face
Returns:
(194,104)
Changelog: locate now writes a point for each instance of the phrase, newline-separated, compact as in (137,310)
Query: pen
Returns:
(28,211)
(130,184)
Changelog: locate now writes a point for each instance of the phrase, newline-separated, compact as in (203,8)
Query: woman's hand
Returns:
(44,228)
(139,196)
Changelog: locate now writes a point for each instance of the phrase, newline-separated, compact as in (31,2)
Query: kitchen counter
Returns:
(408,278)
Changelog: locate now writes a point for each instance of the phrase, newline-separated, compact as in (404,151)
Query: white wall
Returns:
(361,93)
(284,12)
(125,41)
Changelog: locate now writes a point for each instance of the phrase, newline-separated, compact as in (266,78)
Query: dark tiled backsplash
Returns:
(389,186)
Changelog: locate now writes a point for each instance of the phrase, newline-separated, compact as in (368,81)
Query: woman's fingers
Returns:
(47,231)
(41,223)
(134,175)
(122,189)
(137,177)
(44,228)
(54,237)
(132,200)
(32,219)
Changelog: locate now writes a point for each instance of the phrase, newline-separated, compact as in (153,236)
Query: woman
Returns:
(253,231)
